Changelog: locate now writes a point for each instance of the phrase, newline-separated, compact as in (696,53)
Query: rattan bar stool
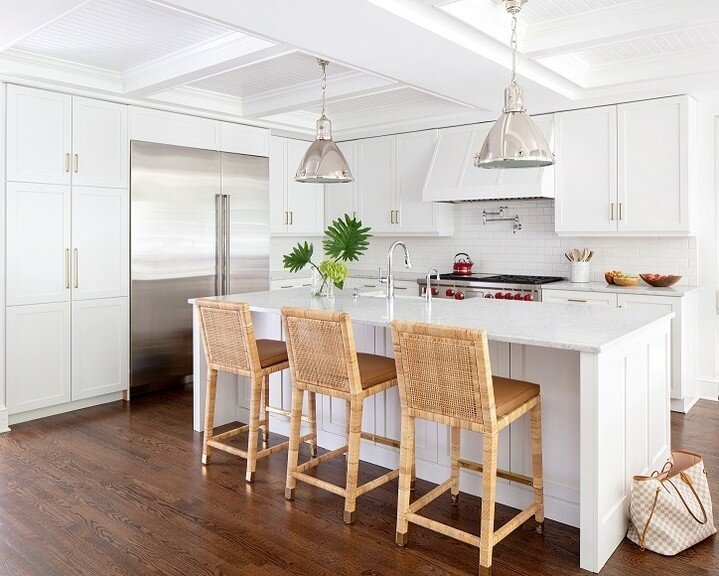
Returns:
(445,376)
(230,346)
(324,360)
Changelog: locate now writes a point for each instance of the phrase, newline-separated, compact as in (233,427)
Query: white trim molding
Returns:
(3,420)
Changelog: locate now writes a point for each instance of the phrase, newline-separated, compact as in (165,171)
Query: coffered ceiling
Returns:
(395,64)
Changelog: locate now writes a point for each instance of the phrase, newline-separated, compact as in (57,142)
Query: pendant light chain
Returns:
(513,44)
(323,64)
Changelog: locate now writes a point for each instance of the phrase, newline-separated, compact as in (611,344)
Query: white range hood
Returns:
(452,176)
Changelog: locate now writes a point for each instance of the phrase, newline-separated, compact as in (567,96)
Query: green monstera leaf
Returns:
(300,256)
(346,239)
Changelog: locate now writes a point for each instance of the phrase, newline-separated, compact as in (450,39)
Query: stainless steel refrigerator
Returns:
(200,227)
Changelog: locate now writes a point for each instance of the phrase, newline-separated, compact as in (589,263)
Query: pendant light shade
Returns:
(515,141)
(323,163)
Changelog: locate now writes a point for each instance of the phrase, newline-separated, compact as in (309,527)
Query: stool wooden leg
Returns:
(294,448)
(209,413)
(489,484)
(353,453)
(312,400)
(255,399)
(454,454)
(347,426)
(264,414)
(535,417)
(406,465)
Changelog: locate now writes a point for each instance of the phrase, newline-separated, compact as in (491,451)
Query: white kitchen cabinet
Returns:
(375,174)
(684,338)
(99,143)
(100,243)
(626,170)
(150,125)
(296,208)
(242,139)
(290,283)
(341,199)
(100,347)
(38,243)
(654,156)
(39,140)
(576,297)
(413,154)
(586,174)
(37,356)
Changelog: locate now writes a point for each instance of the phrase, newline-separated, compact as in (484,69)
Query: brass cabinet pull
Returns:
(611,212)
(288,286)
(391,216)
(286,218)
(291,218)
(67,165)
(77,272)
(621,211)
(396,216)
(77,163)
(573,300)
(67,268)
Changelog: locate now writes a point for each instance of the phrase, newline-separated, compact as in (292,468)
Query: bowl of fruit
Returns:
(626,280)
(660,280)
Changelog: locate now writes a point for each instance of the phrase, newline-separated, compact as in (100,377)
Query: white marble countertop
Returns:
(400,274)
(643,288)
(566,326)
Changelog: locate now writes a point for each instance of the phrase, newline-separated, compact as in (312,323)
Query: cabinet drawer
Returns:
(289,283)
(577,297)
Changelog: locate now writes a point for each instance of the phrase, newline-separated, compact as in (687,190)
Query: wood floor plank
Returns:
(119,490)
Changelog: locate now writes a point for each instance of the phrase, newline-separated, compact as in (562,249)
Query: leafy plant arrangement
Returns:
(346,240)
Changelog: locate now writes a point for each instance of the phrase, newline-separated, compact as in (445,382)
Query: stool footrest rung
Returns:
(505,474)
(433,494)
(319,459)
(509,527)
(339,490)
(230,433)
(380,439)
(227,448)
(372,484)
(435,526)
(283,412)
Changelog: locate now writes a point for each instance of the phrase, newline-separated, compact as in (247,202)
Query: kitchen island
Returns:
(604,377)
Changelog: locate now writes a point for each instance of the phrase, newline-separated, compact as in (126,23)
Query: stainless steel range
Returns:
(497,286)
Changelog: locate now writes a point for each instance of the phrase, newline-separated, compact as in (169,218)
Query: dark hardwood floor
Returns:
(120,490)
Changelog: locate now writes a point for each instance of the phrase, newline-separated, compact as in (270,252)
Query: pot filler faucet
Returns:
(389,278)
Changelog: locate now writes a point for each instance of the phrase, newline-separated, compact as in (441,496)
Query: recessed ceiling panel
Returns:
(536,11)
(120,34)
(273,74)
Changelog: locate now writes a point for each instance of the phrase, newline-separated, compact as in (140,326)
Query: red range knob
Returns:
(488,296)
(517,296)
(528,297)
(435,291)
(507,296)
(459,296)
(499,295)
(449,292)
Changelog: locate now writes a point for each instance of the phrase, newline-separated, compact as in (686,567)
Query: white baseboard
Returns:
(62,408)
(709,388)
(3,420)
(683,405)
(557,503)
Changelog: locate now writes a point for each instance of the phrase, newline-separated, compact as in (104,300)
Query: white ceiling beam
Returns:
(21,18)
(231,51)
(308,94)
(614,24)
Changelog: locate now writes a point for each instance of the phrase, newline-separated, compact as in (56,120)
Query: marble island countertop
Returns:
(642,288)
(580,328)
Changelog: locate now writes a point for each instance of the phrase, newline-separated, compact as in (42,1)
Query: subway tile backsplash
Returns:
(535,249)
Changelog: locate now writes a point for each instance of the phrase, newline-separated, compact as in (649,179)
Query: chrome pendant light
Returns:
(515,141)
(323,163)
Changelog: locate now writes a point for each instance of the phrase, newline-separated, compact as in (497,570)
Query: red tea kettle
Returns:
(462,266)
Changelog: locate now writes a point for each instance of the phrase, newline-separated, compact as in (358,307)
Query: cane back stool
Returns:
(445,376)
(323,359)
(230,346)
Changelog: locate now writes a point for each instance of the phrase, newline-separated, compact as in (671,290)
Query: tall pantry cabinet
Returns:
(67,249)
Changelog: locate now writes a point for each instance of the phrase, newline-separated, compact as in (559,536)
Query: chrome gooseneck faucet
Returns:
(389,279)
(428,289)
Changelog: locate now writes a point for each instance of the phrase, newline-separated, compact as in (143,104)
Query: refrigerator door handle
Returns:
(226,244)
(220,258)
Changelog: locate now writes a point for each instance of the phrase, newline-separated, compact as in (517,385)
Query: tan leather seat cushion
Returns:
(375,369)
(510,394)
(271,352)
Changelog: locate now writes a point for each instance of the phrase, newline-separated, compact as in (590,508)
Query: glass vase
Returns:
(321,285)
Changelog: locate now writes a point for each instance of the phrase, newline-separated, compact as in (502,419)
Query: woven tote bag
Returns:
(671,510)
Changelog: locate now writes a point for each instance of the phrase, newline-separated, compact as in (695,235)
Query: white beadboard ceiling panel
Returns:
(537,11)
(273,74)
(120,34)
(397,105)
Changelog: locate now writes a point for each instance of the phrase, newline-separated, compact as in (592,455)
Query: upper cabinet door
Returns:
(100,242)
(38,243)
(241,139)
(586,171)
(376,183)
(305,202)
(278,185)
(100,144)
(39,125)
(413,156)
(341,199)
(654,156)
